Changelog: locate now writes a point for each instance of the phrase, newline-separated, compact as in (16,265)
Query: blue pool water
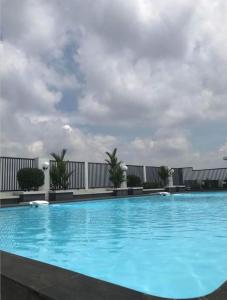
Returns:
(172,246)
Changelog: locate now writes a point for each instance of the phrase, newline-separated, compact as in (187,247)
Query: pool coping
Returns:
(23,278)
(93,197)
(96,197)
(84,197)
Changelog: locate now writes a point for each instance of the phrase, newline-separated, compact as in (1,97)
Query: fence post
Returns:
(144,174)
(43,164)
(86,175)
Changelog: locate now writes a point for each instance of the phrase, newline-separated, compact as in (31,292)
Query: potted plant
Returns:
(59,176)
(29,180)
(164,174)
(134,185)
(116,173)
(152,187)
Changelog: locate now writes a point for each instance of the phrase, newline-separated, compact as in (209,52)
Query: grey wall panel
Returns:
(136,170)
(200,175)
(178,176)
(98,175)
(152,174)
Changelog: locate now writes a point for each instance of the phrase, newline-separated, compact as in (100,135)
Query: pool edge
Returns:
(23,278)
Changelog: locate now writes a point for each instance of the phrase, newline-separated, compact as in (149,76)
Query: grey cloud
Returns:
(145,64)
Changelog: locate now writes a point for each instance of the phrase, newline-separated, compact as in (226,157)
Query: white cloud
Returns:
(35,148)
(34,26)
(223,149)
(163,150)
(67,127)
(140,66)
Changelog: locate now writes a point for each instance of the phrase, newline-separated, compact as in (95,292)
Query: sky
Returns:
(148,77)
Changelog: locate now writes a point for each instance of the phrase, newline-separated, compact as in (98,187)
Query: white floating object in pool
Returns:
(38,203)
(164,193)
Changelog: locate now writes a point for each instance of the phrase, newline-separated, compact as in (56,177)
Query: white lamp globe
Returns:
(45,165)
(171,171)
(124,168)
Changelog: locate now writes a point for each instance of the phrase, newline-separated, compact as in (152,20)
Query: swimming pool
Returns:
(165,246)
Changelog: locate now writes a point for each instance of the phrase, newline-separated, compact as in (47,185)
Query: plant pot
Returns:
(60,195)
(171,189)
(135,190)
(180,188)
(120,192)
(31,196)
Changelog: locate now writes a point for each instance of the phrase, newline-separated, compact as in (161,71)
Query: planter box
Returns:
(31,196)
(135,190)
(175,188)
(60,195)
(121,192)
(171,189)
(181,188)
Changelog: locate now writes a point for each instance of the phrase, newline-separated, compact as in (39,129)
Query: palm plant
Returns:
(164,173)
(115,170)
(58,172)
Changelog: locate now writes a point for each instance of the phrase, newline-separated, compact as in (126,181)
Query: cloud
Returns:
(35,28)
(154,72)
(164,150)
(223,149)
(35,148)
(67,127)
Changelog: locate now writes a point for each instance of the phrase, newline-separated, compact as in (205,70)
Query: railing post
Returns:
(43,164)
(144,174)
(86,175)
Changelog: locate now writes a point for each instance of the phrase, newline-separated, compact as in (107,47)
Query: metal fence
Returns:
(136,170)
(178,176)
(9,166)
(77,170)
(152,174)
(219,174)
(98,175)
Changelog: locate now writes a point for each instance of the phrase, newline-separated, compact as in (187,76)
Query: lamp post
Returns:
(170,177)
(43,164)
(124,183)
(224,182)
